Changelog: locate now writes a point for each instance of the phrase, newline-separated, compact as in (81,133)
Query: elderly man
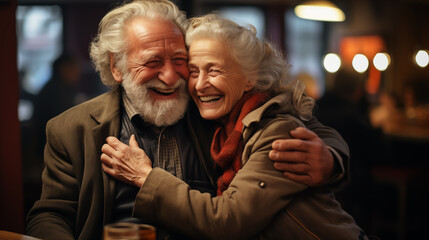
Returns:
(140,53)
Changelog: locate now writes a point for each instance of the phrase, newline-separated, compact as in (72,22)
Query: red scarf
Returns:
(226,148)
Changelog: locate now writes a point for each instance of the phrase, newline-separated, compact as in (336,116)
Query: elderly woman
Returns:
(241,82)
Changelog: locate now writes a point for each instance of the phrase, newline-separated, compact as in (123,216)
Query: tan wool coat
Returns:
(259,203)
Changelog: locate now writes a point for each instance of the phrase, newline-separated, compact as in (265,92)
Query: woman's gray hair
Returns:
(260,61)
(112,39)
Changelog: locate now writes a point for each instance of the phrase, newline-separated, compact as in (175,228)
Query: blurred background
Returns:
(367,69)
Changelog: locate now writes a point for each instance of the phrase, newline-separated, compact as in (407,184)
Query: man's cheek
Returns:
(184,72)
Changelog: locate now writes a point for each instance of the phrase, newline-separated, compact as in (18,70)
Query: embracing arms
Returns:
(254,197)
(316,155)
(304,158)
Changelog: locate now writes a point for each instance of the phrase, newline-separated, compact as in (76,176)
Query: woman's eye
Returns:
(193,73)
(214,71)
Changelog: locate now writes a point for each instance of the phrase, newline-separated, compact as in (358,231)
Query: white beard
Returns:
(161,112)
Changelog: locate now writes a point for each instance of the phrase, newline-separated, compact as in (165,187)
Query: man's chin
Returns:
(155,107)
(164,112)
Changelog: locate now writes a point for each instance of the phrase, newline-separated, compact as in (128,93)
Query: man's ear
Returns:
(115,71)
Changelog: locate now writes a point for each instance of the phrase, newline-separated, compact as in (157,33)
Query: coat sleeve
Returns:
(339,149)
(53,216)
(254,197)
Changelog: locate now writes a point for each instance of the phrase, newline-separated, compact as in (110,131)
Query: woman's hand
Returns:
(128,164)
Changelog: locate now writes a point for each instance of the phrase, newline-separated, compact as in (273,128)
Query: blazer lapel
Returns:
(102,130)
(108,119)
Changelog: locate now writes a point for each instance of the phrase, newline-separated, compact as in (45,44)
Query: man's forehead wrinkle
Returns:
(144,34)
(152,42)
(164,42)
(155,27)
(161,49)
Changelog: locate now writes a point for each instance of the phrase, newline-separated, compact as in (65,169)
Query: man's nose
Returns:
(168,74)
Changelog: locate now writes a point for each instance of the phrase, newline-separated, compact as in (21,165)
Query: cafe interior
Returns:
(365,62)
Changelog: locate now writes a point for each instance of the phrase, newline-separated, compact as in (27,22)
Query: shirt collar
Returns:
(129,109)
(133,115)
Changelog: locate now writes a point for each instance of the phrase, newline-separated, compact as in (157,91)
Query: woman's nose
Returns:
(202,81)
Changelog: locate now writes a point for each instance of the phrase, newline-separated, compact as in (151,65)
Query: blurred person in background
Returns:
(345,108)
(416,100)
(60,93)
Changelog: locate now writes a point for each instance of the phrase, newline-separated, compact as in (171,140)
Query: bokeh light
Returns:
(422,58)
(381,61)
(332,62)
(360,63)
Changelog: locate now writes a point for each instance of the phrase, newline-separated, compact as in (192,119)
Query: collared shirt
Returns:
(162,147)
(164,152)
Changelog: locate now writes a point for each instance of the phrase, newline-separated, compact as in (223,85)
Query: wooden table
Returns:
(5,235)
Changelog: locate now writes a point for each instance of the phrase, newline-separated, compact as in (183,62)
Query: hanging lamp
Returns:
(320,10)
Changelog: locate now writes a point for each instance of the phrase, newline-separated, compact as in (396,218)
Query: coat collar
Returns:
(106,114)
(110,109)
(280,103)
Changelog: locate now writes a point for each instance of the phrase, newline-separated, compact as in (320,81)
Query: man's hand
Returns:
(128,164)
(304,159)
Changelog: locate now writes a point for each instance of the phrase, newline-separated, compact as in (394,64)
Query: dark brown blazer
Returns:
(76,195)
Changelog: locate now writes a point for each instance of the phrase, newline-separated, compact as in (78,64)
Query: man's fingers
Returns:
(116,144)
(107,169)
(296,168)
(291,145)
(112,141)
(106,160)
(303,133)
(111,155)
(112,172)
(292,156)
(303,179)
(108,150)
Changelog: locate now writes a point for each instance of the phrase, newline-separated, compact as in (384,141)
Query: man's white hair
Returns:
(112,38)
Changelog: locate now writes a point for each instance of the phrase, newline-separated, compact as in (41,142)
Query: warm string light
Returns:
(381,61)
(332,62)
(422,58)
(360,63)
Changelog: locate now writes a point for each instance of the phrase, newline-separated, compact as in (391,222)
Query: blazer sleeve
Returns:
(254,197)
(339,149)
(53,216)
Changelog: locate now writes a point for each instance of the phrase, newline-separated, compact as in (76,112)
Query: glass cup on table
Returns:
(121,231)
(147,232)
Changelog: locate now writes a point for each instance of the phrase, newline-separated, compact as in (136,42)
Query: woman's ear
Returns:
(249,85)
(115,71)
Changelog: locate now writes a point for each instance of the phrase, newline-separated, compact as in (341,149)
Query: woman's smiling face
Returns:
(216,81)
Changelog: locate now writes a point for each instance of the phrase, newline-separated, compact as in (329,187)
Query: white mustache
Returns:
(155,83)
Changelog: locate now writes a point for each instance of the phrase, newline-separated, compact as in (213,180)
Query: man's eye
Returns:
(180,61)
(153,63)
